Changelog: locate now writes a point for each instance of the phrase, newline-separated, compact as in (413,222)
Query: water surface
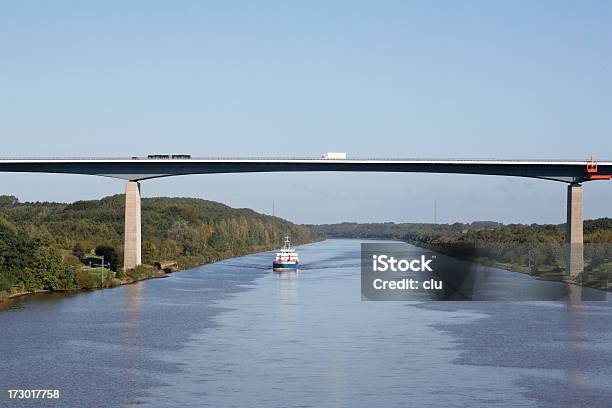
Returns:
(235,334)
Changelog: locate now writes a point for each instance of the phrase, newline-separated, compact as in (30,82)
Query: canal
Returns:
(235,334)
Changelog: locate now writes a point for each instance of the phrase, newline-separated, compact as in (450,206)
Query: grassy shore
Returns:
(53,246)
(101,278)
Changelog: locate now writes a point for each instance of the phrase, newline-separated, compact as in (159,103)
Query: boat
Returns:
(286,259)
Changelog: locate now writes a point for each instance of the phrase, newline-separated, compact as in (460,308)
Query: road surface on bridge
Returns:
(137,169)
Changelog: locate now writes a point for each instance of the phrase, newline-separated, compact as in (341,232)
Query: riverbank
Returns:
(46,246)
(5,297)
(537,250)
(590,279)
(138,274)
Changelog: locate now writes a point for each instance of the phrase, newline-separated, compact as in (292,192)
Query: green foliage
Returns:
(190,231)
(28,262)
(87,280)
(49,271)
(534,248)
(142,272)
(79,250)
(120,274)
(110,255)
(8,201)
(96,278)
(5,283)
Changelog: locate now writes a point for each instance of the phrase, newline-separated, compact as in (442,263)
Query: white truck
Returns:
(334,156)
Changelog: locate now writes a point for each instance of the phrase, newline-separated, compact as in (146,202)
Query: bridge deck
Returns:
(132,168)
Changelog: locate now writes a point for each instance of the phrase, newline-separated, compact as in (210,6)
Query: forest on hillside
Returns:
(43,246)
(537,249)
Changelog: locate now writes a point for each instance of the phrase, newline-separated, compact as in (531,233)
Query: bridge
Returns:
(137,169)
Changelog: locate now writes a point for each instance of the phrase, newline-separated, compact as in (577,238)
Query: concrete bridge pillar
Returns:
(132,238)
(574,261)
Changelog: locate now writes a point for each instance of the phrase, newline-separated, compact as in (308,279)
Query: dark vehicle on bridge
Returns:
(168,156)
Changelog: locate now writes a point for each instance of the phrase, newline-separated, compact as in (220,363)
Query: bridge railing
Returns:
(286,158)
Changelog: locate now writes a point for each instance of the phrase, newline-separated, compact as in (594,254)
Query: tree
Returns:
(110,254)
(37,238)
(79,250)
(8,201)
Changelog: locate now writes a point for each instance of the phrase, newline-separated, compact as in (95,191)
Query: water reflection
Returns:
(287,294)
(132,319)
(132,301)
(575,338)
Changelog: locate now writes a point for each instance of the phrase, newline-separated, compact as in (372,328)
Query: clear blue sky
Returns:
(501,79)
